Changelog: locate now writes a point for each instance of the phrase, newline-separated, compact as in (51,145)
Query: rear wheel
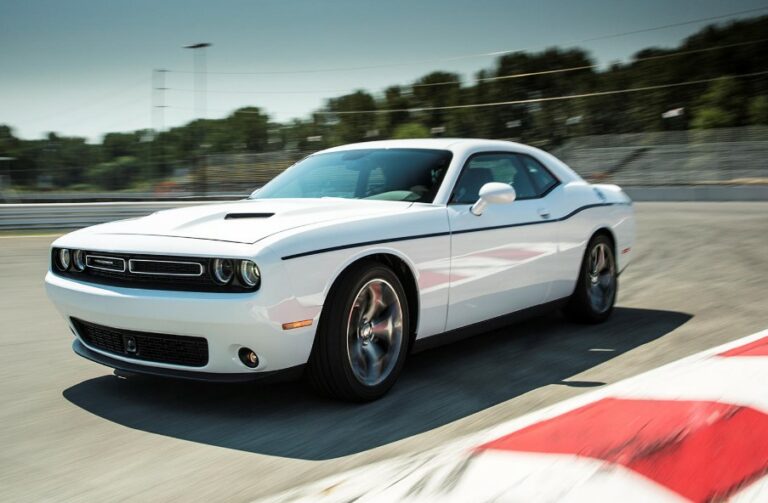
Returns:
(361,342)
(596,288)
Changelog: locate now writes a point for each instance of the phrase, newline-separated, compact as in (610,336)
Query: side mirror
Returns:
(493,193)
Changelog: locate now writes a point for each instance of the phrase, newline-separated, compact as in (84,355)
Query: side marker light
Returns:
(296,324)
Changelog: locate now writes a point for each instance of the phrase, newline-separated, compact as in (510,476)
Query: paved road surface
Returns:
(73,431)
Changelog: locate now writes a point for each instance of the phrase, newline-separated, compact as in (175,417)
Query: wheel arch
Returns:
(607,232)
(404,271)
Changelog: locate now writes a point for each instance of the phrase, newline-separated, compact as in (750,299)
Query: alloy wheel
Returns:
(374,332)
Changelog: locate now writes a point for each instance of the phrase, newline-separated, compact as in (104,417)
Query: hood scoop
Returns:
(235,216)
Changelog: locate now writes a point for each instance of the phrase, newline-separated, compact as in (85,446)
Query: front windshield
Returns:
(397,174)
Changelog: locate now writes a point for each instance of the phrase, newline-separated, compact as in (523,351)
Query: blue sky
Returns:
(84,67)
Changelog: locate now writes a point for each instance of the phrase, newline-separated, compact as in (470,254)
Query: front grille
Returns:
(105,263)
(165,267)
(161,348)
(153,272)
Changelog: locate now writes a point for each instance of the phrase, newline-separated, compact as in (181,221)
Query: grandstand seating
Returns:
(715,156)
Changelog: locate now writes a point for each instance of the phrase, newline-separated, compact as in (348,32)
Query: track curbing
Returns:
(693,430)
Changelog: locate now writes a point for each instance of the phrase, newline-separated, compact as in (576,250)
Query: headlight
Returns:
(222,270)
(249,274)
(78,258)
(63,259)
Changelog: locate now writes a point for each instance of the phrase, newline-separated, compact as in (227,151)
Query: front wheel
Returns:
(362,339)
(595,294)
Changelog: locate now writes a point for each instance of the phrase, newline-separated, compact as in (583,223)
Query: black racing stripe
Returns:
(537,222)
(463,231)
(365,243)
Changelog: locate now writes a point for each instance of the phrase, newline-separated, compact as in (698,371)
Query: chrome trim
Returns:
(198,264)
(88,257)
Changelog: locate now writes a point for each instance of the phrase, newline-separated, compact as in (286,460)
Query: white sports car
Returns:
(344,263)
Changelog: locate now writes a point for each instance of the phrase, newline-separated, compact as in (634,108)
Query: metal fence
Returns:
(242,173)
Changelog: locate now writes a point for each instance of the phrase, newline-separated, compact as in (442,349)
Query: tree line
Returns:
(715,54)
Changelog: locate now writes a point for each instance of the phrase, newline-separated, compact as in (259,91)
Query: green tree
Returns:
(719,106)
(395,98)
(758,110)
(10,150)
(115,145)
(246,129)
(353,127)
(309,134)
(116,174)
(435,90)
(521,76)
(410,130)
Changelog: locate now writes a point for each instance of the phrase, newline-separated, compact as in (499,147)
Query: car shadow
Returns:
(437,387)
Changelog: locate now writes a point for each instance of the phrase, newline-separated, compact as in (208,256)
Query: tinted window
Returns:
(384,174)
(539,174)
(500,167)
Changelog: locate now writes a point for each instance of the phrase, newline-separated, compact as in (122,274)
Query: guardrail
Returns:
(74,215)
(12,197)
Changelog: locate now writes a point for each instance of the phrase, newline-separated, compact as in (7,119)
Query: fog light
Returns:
(248,357)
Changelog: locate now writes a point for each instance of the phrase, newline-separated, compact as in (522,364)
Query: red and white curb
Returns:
(693,430)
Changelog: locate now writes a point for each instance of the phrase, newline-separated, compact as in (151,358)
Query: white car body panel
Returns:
(494,272)
(531,257)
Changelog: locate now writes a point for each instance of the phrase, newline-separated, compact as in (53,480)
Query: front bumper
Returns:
(194,375)
(227,321)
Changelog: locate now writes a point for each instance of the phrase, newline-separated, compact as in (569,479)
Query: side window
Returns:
(493,167)
(541,177)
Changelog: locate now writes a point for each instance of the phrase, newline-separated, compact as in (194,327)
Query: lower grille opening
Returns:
(161,348)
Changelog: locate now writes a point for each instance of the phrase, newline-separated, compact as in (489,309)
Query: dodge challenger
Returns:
(345,263)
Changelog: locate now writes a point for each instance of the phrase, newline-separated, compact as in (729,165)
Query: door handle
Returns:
(543,213)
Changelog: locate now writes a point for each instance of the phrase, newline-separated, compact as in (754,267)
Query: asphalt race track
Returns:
(73,431)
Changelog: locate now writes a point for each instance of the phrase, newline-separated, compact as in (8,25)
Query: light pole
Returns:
(3,181)
(200,78)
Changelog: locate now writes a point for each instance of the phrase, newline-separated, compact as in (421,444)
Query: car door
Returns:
(501,261)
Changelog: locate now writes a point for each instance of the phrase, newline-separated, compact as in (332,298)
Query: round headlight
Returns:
(78,258)
(63,259)
(222,271)
(249,274)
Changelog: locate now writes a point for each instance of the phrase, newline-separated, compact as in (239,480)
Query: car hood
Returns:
(248,221)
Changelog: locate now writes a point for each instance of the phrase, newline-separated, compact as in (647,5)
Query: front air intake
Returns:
(161,348)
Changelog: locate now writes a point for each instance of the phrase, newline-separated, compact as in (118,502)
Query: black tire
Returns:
(330,369)
(586,304)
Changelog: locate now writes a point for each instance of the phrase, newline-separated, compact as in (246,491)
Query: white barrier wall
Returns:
(698,193)
(74,215)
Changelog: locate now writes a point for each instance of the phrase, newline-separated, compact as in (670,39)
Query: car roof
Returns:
(430,143)
(467,146)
